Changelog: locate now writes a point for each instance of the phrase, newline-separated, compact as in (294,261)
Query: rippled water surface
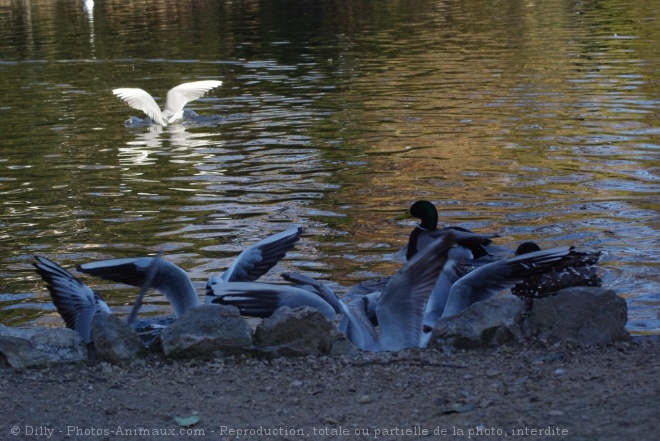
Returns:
(534,120)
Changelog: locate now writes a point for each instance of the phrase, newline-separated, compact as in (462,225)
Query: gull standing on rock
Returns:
(176,100)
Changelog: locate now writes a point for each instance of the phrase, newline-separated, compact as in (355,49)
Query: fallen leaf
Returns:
(187,422)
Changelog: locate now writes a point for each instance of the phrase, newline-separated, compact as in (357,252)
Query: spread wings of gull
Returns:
(175,284)
(258,259)
(169,279)
(400,308)
(75,301)
(176,100)
(489,280)
(262,299)
(448,277)
(452,293)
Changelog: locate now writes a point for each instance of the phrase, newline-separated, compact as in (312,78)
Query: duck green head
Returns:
(425,211)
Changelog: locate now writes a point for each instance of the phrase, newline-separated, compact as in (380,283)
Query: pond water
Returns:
(534,120)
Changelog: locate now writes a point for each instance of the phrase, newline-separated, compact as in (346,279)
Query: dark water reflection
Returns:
(533,120)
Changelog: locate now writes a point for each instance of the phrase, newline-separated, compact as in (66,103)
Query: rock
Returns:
(207,331)
(38,347)
(115,341)
(581,315)
(483,324)
(295,332)
(342,346)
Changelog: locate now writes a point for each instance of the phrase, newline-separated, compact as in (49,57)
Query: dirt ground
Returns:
(535,393)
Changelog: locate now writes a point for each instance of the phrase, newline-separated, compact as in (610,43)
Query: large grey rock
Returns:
(296,332)
(207,331)
(38,347)
(483,324)
(115,341)
(581,315)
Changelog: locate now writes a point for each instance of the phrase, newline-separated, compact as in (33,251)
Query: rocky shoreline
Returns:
(584,316)
(532,373)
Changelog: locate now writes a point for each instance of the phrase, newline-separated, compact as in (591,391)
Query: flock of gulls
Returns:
(447,270)
(440,278)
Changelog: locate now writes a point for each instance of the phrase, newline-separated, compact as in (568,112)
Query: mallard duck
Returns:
(427,230)
(176,100)
(580,269)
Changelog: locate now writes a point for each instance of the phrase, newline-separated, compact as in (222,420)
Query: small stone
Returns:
(364,399)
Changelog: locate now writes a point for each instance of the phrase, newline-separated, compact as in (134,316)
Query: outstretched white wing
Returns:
(262,299)
(182,94)
(489,280)
(257,259)
(141,100)
(400,309)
